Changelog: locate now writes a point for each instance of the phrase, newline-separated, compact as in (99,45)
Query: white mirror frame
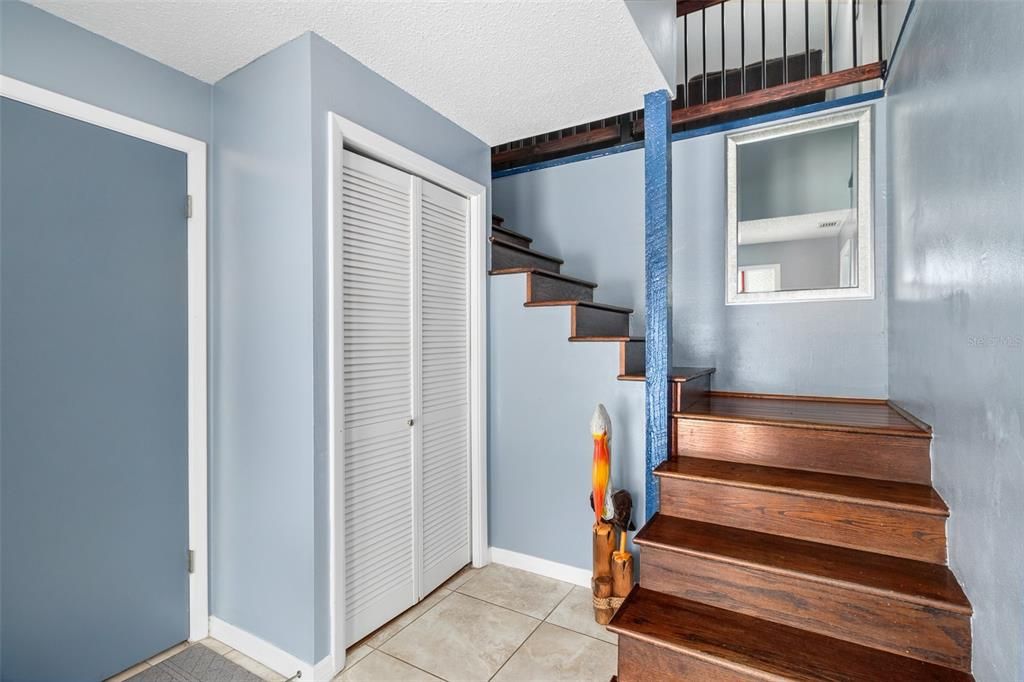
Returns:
(865,288)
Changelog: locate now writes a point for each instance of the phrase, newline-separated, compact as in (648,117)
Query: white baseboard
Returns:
(549,569)
(262,651)
(325,670)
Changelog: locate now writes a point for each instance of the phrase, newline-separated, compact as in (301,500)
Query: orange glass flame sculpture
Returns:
(601,431)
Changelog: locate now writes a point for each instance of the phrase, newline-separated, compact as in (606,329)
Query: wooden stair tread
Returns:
(543,273)
(582,304)
(511,233)
(920,582)
(912,497)
(676,374)
(524,249)
(860,416)
(753,645)
(599,339)
(495,218)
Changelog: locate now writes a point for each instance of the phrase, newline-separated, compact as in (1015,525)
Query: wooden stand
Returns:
(603,609)
(622,574)
(604,545)
(601,585)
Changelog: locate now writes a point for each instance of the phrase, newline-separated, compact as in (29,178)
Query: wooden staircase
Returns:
(797,539)
(591,322)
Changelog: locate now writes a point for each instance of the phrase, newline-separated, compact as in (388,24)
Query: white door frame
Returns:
(342,134)
(195,151)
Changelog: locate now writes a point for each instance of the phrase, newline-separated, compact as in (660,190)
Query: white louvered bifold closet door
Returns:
(377,333)
(444,388)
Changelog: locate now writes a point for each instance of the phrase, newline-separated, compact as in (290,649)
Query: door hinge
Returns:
(191,561)
(188,205)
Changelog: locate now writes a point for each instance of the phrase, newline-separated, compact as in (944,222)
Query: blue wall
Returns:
(269,287)
(543,390)
(956,299)
(44,50)
(268,283)
(591,214)
(261,351)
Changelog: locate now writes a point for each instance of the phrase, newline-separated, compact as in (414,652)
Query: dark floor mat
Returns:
(196,664)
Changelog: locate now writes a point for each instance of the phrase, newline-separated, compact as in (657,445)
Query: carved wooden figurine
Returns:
(622,561)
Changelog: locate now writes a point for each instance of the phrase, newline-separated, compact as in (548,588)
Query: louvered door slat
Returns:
(444,384)
(380,580)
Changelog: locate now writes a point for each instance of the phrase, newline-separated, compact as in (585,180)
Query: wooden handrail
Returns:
(600,135)
(776,93)
(691,6)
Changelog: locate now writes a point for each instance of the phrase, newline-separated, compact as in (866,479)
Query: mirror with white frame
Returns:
(799,211)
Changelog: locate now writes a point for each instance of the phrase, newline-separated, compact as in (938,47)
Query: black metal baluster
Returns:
(853,13)
(807,38)
(686,62)
(743,48)
(722,36)
(785,50)
(764,62)
(828,25)
(879,15)
(704,53)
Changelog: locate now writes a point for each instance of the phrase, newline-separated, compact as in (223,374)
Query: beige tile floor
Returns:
(495,623)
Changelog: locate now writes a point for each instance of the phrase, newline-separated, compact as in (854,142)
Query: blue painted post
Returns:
(658,278)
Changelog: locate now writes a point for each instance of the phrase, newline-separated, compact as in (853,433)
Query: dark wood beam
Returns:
(533,152)
(773,94)
(690,6)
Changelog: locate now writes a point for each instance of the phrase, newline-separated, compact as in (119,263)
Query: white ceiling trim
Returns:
(501,69)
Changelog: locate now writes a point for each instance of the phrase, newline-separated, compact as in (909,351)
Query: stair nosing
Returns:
(586,304)
(672,378)
(532,270)
(611,338)
(803,492)
(799,424)
(525,249)
(953,607)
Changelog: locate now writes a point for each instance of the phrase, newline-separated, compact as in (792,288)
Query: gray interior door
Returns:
(93,398)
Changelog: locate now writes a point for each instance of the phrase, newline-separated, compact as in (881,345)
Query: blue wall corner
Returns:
(658,280)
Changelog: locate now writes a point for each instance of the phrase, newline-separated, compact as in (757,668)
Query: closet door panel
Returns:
(380,573)
(444,385)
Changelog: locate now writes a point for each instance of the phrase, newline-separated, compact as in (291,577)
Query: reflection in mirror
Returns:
(798,211)
(795,210)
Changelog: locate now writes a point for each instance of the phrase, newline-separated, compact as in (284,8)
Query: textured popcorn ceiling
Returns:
(502,69)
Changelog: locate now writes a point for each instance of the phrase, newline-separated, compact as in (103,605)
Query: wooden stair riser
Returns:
(866,455)
(921,631)
(640,661)
(632,358)
(503,256)
(859,524)
(588,321)
(540,287)
(510,236)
